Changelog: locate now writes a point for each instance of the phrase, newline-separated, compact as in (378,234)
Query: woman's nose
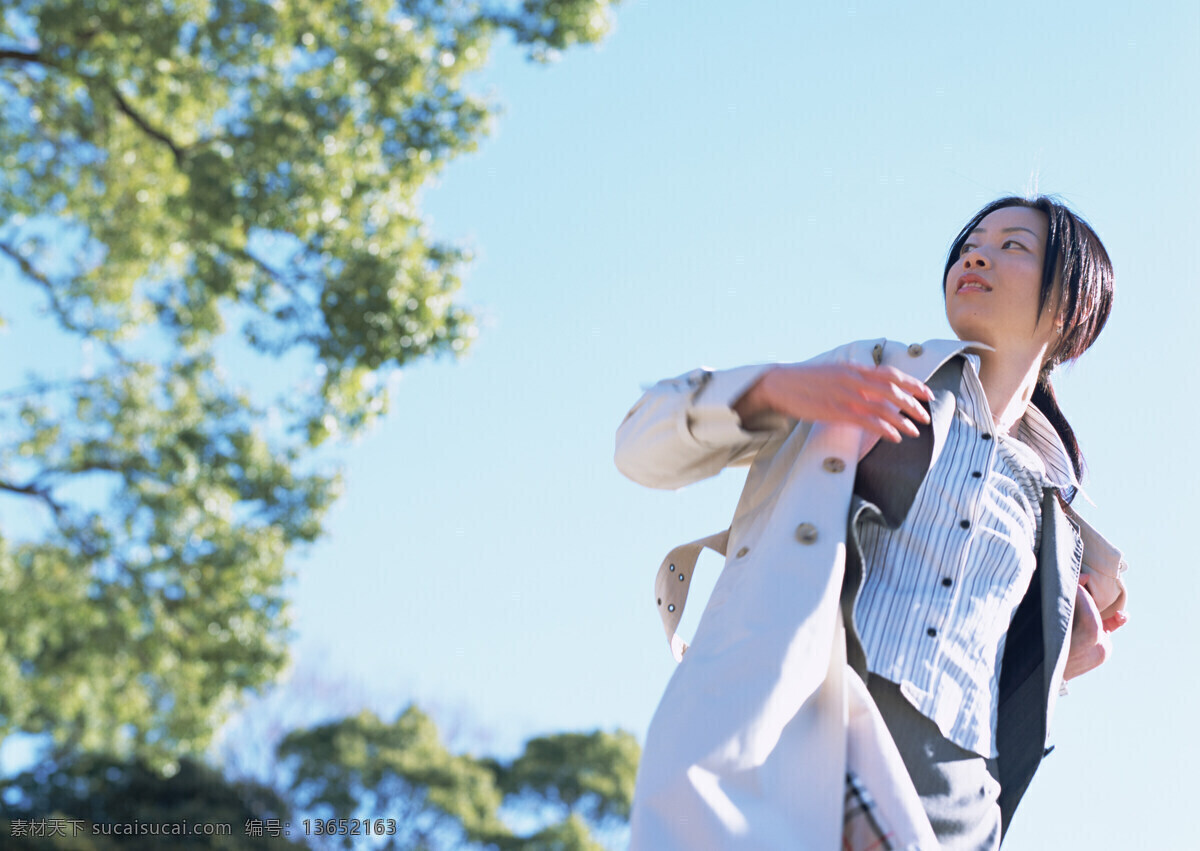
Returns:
(975,260)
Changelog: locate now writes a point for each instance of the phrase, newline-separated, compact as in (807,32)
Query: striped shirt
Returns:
(940,591)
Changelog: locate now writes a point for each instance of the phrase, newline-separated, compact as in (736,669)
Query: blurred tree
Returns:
(583,775)
(362,767)
(168,169)
(88,802)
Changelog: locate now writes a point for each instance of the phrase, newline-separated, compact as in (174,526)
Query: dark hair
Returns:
(1075,260)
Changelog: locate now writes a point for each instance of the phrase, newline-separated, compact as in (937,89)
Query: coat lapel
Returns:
(890,475)
(1035,653)
(1063,551)
(885,487)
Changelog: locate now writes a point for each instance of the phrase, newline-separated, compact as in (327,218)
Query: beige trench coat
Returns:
(753,736)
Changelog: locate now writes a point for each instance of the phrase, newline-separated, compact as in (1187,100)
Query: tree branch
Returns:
(305,310)
(271,272)
(62,517)
(40,493)
(24,56)
(130,469)
(142,124)
(30,272)
(60,310)
(122,104)
(40,388)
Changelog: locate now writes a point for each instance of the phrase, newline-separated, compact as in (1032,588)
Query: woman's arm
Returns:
(691,427)
(1090,642)
(684,429)
(875,398)
(1100,599)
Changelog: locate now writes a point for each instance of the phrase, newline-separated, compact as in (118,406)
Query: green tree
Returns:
(587,777)
(565,792)
(362,767)
(174,176)
(85,802)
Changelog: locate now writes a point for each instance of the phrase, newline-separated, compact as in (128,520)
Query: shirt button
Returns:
(834,465)
(915,350)
(947,581)
(976,475)
(742,551)
(931,632)
(985,436)
(806,533)
(966,524)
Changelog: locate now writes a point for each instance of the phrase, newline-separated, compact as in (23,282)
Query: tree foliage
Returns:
(88,802)
(564,791)
(589,775)
(362,767)
(175,178)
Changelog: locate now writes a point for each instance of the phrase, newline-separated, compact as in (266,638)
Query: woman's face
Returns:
(992,289)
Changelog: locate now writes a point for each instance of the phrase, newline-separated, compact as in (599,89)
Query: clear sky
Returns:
(721,184)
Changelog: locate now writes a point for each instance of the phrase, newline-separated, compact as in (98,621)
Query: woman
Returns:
(948,551)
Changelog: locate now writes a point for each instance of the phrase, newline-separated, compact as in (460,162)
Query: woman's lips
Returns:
(973,283)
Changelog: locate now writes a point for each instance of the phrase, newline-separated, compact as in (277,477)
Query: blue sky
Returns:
(718,189)
(711,188)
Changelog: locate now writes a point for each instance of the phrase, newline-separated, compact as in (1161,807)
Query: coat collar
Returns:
(890,474)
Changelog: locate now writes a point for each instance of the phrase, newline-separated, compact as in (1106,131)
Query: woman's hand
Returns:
(875,398)
(1090,644)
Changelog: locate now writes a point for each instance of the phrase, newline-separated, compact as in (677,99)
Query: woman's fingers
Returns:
(876,425)
(882,400)
(891,375)
(1117,620)
(902,390)
(895,420)
(885,403)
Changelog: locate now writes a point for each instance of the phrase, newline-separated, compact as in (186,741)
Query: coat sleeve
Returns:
(684,429)
(1107,566)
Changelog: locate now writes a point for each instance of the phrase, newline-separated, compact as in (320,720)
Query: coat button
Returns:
(877,354)
(834,465)
(915,350)
(806,533)
(671,607)
(742,551)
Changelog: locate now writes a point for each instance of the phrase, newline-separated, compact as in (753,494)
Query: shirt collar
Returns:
(1036,432)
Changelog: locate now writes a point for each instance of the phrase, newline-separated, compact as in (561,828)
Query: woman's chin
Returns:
(975,332)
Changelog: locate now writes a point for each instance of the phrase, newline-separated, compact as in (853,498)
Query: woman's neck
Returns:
(1008,382)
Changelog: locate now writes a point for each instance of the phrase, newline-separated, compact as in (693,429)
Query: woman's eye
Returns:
(1014,242)
(967,247)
